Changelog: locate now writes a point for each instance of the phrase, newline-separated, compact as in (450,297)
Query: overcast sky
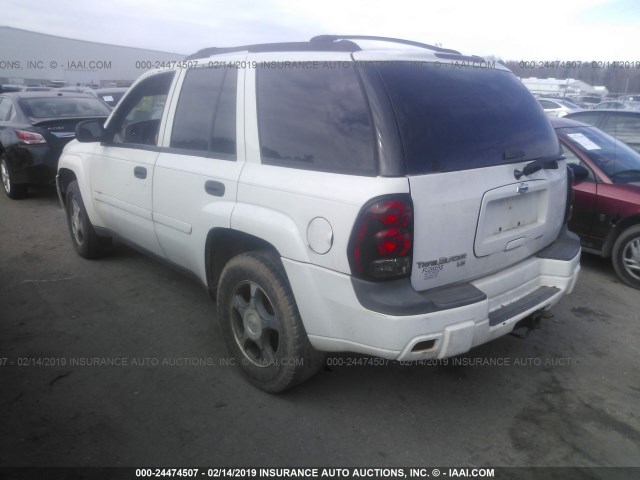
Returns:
(510,30)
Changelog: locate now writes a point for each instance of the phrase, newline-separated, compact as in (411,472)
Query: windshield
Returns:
(111,99)
(63,107)
(461,118)
(620,162)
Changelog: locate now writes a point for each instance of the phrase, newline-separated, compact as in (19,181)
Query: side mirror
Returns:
(90,131)
(580,173)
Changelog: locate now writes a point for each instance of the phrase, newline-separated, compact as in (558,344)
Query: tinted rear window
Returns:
(315,119)
(592,118)
(624,127)
(461,118)
(63,107)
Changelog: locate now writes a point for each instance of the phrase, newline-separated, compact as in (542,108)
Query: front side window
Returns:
(315,119)
(205,119)
(137,121)
(573,158)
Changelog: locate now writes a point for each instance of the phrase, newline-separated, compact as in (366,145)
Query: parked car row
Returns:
(34,128)
(606,209)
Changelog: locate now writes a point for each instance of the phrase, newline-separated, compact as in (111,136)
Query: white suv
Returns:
(405,203)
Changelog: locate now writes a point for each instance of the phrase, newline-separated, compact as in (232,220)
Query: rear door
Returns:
(468,135)
(196,175)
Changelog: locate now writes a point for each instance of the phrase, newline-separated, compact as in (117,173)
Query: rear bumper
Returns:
(35,164)
(340,315)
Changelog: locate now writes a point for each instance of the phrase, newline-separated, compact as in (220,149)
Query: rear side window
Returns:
(5,109)
(592,118)
(624,127)
(205,119)
(315,119)
(462,118)
(548,104)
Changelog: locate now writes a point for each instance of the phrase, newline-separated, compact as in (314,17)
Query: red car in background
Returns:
(606,209)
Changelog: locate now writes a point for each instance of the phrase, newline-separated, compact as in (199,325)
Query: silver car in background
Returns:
(557,107)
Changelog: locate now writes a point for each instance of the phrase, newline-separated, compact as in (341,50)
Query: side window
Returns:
(591,118)
(6,109)
(625,128)
(573,158)
(205,119)
(314,119)
(138,119)
(547,104)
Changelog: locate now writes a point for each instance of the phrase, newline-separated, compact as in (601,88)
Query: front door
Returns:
(122,167)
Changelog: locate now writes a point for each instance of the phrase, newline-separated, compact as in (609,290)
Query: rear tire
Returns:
(83,236)
(626,256)
(13,190)
(261,324)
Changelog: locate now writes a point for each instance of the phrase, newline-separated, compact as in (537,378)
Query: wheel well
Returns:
(222,245)
(615,232)
(65,177)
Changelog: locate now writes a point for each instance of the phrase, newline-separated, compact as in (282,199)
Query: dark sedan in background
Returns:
(34,128)
(606,209)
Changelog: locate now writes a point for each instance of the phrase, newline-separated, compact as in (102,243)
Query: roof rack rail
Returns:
(332,38)
(341,46)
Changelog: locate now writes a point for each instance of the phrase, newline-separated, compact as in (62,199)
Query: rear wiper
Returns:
(536,166)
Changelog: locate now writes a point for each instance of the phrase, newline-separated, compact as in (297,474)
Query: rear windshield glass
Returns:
(462,118)
(64,107)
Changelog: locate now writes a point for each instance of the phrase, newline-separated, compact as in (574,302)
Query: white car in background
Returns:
(557,107)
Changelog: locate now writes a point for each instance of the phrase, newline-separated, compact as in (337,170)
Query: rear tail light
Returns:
(30,138)
(568,209)
(381,243)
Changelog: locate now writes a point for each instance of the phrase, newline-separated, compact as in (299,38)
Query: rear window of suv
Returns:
(462,118)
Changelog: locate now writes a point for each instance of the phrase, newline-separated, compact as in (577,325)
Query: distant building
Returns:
(31,58)
(553,87)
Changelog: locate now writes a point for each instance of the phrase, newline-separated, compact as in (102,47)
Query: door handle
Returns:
(214,188)
(140,172)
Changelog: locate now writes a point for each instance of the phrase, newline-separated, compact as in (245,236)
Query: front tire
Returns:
(83,236)
(626,256)
(261,324)
(13,190)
